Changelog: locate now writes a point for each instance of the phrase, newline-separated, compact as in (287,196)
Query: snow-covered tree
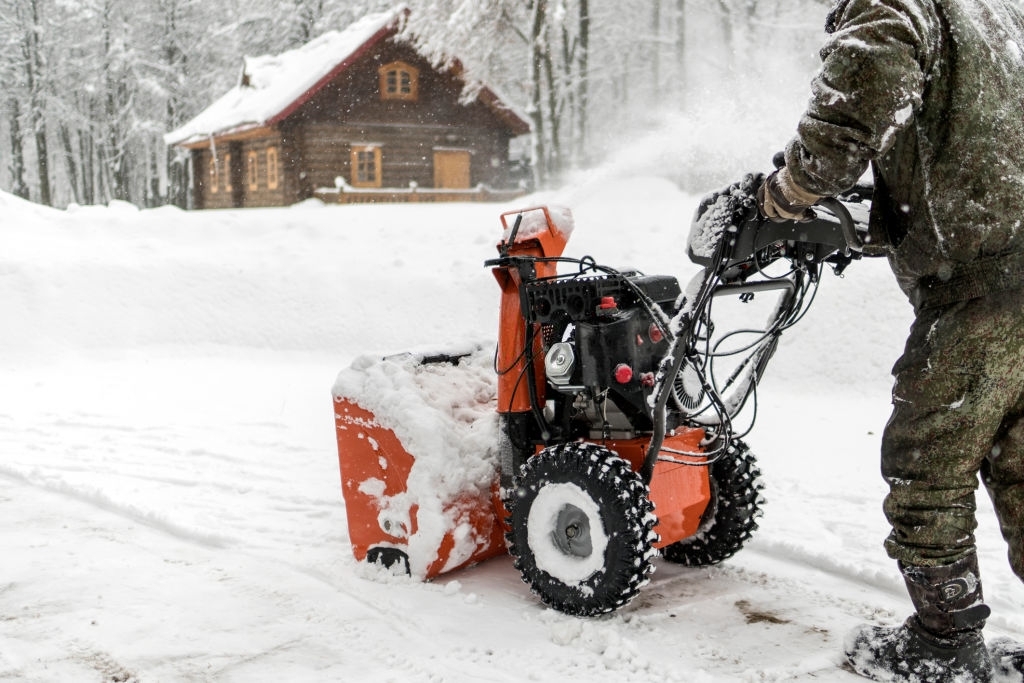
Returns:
(26,29)
(91,86)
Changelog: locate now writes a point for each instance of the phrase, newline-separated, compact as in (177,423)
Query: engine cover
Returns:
(610,320)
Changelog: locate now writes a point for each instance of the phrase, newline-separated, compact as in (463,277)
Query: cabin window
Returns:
(252,169)
(366,166)
(272,172)
(399,81)
(225,169)
(213,174)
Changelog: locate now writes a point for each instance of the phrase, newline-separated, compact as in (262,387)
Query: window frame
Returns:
(356,160)
(273,168)
(252,170)
(226,170)
(397,92)
(214,174)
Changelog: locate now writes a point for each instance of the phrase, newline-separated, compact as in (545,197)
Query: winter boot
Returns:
(1008,659)
(941,643)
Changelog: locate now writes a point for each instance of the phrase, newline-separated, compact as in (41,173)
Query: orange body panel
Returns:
(680,492)
(374,467)
(513,394)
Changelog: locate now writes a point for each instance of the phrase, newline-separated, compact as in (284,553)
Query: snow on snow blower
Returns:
(603,429)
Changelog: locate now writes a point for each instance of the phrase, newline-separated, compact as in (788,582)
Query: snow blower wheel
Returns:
(581,528)
(730,518)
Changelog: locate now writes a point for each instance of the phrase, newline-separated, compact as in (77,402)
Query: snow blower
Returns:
(603,429)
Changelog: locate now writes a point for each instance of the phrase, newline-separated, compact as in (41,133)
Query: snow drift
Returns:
(170,489)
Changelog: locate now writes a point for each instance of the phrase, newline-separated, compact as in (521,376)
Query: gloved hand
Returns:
(780,199)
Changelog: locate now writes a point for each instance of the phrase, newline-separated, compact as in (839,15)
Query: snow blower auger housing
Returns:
(616,401)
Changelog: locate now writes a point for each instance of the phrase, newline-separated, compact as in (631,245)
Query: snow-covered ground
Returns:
(169,486)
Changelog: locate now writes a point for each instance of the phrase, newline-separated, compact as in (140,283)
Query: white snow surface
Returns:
(170,493)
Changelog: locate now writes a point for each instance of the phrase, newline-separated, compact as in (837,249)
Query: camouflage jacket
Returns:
(931,94)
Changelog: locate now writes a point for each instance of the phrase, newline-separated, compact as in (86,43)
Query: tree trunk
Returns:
(87,153)
(42,156)
(153,197)
(555,149)
(37,117)
(537,48)
(582,78)
(656,52)
(114,157)
(70,161)
(570,91)
(177,63)
(18,186)
(681,64)
(177,180)
(728,20)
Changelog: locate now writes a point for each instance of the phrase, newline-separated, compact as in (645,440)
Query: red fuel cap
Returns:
(623,373)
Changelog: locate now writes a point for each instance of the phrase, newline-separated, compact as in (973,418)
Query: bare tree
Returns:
(17,166)
(582,81)
(24,29)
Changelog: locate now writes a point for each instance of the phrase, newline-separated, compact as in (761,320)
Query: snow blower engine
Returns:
(618,396)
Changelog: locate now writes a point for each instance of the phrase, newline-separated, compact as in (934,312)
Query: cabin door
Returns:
(451,169)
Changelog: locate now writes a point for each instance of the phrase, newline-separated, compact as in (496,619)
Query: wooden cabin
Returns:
(353,116)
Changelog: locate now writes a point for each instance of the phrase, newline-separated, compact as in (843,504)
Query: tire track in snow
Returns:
(103,663)
(1005,614)
(98,499)
(794,554)
(189,481)
(264,497)
(711,608)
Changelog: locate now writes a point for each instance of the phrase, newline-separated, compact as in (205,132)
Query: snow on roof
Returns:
(270,83)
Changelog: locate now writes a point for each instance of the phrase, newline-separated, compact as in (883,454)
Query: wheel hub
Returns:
(571,534)
(565,533)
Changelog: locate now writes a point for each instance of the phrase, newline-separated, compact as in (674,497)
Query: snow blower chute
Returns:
(602,431)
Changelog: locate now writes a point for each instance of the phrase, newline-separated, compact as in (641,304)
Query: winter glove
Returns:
(780,199)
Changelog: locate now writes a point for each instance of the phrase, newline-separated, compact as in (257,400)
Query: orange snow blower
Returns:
(601,432)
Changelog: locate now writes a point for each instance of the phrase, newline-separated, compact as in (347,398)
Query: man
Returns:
(930,94)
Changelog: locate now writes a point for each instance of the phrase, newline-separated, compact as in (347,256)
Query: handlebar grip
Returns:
(846,222)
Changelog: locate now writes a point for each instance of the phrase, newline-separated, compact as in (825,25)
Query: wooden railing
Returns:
(384,195)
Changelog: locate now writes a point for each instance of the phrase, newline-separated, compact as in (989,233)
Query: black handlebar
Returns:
(854,241)
(832,230)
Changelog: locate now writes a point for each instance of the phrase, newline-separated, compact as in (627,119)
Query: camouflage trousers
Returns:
(958,412)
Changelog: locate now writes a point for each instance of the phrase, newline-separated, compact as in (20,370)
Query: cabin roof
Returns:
(272,87)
